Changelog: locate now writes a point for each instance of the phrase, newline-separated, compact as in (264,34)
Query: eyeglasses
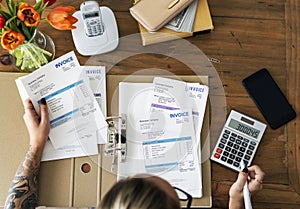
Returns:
(184,196)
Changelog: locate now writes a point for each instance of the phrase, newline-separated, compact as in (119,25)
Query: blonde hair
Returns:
(137,193)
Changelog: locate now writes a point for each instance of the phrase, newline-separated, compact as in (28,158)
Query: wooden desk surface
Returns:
(248,35)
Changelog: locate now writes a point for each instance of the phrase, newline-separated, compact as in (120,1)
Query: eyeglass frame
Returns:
(189,197)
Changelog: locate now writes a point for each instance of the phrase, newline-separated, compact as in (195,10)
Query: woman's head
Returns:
(141,191)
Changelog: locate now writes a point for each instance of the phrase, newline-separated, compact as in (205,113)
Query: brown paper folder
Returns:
(55,176)
(14,138)
(112,99)
(86,187)
(56,183)
(64,183)
(203,21)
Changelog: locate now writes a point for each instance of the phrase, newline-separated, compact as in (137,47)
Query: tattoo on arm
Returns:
(23,189)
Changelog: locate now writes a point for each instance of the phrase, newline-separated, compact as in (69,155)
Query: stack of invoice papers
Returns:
(77,124)
(164,121)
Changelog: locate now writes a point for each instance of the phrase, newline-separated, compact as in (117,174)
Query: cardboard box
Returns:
(76,182)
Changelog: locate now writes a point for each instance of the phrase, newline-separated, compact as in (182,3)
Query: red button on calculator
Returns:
(219,150)
(217,155)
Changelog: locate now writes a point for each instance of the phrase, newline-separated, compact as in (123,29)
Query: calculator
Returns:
(238,140)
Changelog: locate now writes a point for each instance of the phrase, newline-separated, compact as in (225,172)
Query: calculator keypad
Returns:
(232,148)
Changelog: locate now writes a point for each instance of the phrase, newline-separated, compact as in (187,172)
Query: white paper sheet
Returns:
(198,95)
(161,142)
(86,146)
(73,110)
(97,81)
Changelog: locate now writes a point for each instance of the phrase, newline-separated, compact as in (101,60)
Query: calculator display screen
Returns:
(244,128)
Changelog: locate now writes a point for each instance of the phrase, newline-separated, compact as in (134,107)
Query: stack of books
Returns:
(196,17)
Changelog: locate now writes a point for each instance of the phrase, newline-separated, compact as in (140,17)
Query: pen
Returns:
(247,195)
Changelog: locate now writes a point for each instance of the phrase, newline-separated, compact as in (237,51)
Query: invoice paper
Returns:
(170,94)
(87,145)
(97,81)
(160,142)
(197,100)
(73,110)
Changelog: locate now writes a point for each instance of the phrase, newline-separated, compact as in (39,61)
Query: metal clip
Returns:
(123,138)
(116,143)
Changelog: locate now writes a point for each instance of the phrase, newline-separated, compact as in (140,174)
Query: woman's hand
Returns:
(38,126)
(23,191)
(254,177)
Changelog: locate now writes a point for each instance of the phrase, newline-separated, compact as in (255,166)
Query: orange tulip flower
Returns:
(11,39)
(28,15)
(61,19)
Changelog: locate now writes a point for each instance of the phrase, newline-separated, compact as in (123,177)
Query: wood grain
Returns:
(248,35)
(293,68)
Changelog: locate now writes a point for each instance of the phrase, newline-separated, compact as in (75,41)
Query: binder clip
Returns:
(116,143)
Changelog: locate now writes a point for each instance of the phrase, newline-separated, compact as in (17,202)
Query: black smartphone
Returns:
(269,98)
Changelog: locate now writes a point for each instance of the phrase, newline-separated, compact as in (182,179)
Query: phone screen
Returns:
(269,98)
